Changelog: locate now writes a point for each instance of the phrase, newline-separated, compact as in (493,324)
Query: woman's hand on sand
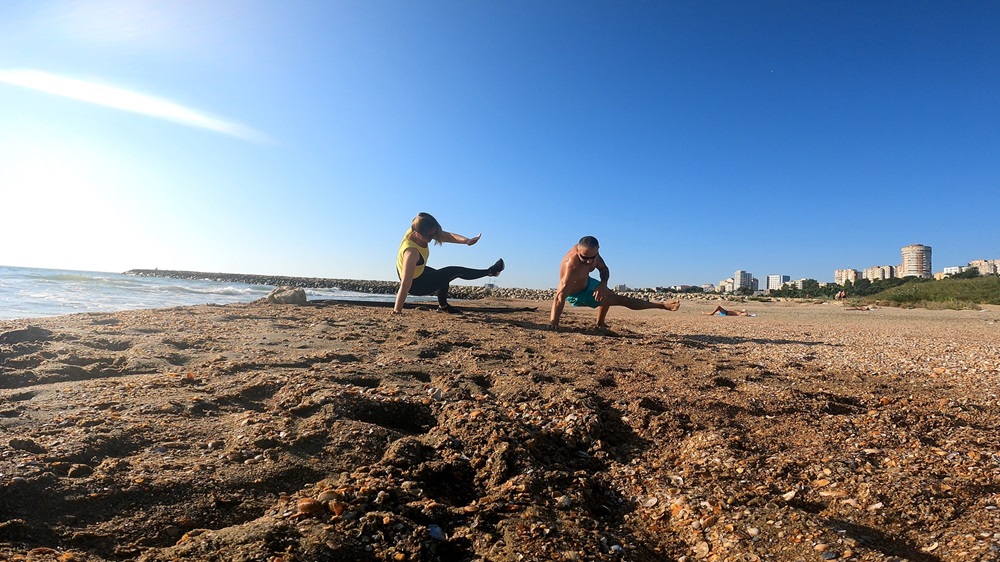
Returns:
(474,239)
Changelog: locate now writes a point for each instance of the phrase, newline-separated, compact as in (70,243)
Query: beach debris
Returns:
(436,533)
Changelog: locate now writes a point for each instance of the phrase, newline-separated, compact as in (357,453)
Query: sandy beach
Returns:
(333,431)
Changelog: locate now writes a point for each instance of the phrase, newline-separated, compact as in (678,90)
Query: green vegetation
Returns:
(954,293)
(866,288)
(965,290)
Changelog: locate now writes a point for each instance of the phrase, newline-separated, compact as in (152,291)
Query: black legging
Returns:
(436,280)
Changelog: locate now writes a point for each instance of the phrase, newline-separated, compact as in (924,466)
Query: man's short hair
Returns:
(589,242)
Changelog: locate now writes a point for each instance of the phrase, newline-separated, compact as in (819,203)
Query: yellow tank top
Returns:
(421,261)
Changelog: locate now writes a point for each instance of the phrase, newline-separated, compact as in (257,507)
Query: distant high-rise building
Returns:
(916,261)
(742,280)
(842,276)
(774,282)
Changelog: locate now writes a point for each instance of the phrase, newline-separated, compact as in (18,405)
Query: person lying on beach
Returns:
(417,278)
(719,311)
(578,288)
(865,307)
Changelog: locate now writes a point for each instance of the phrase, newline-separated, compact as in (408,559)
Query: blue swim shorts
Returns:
(586,296)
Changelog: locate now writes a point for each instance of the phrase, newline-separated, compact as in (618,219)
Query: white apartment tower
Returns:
(916,261)
(775,282)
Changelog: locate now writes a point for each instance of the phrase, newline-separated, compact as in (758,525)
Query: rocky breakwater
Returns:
(355,285)
(468,292)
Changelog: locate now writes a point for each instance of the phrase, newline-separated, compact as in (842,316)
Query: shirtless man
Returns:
(577,287)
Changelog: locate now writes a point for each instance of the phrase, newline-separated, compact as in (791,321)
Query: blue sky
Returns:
(691,138)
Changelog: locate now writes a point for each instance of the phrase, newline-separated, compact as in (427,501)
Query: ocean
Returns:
(32,293)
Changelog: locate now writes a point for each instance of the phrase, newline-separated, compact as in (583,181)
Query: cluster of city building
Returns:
(916,261)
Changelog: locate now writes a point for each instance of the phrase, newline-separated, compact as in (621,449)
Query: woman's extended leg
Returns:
(436,281)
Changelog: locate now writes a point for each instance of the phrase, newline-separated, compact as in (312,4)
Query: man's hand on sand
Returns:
(601,293)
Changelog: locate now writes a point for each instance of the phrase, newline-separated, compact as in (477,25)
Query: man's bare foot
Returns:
(671,305)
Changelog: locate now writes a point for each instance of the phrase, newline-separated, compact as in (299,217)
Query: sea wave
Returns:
(71,278)
(249,290)
(30,292)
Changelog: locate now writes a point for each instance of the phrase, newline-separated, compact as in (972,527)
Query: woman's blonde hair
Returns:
(427,226)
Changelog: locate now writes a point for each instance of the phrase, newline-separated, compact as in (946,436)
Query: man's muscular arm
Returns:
(602,290)
(559,300)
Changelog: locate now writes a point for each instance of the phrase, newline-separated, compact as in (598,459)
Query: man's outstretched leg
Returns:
(631,304)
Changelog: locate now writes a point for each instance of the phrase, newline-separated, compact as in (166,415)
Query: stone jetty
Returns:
(355,285)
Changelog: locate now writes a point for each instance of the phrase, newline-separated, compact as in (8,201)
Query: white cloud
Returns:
(126,100)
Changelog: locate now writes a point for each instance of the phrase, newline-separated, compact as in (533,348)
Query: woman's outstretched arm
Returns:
(458,238)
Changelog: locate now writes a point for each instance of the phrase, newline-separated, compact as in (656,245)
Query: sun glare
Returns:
(65,206)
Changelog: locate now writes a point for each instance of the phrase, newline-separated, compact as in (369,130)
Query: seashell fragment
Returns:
(309,506)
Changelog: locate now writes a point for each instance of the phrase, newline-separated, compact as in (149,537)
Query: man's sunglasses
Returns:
(587,258)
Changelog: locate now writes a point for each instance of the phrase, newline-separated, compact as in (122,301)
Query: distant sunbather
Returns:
(865,307)
(719,311)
